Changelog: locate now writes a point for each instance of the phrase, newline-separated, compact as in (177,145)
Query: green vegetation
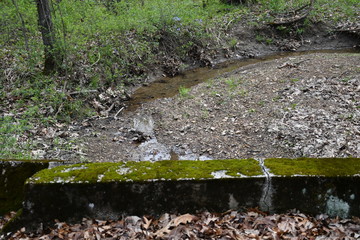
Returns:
(232,83)
(329,167)
(264,39)
(293,106)
(184,92)
(144,171)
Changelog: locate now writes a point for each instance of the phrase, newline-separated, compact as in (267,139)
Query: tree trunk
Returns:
(52,57)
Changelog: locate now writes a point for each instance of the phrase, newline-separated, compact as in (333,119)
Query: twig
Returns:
(83,91)
(96,60)
(227,25)
(59,109)
(106,112)
(118,112)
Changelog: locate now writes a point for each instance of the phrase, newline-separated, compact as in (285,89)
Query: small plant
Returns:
(184,92)
(263,39)
(232,83)
(261,103)
(268,41)
(300,31)
(293,106)
(232,43)
(260,38)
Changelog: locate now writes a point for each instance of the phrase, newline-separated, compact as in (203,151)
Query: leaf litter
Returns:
(253,224)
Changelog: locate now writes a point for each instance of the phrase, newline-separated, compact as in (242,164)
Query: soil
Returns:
(290,107)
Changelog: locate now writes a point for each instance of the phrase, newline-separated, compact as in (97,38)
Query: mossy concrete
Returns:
(328,167)
(148,171)
(13,174)
(110,190)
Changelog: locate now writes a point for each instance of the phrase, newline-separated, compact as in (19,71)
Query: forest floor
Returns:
(253,224)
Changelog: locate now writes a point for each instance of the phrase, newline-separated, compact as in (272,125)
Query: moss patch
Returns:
(144,171)
(329,167)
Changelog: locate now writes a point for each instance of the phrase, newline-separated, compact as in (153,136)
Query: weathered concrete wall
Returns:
(112,200)
(13,174)
(335,196)
(108,190)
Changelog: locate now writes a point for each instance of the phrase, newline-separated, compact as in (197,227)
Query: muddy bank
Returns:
(295,106)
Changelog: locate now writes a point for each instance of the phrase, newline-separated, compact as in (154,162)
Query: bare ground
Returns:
(296,106)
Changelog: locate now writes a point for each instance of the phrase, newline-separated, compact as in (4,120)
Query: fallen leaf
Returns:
(183,219)
(146,223)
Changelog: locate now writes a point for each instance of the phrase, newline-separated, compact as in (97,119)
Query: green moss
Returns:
(144,171)
(329,167)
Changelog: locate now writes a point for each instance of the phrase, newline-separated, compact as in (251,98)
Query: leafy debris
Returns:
(253,224)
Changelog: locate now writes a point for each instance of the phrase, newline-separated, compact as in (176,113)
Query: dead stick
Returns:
(115,116)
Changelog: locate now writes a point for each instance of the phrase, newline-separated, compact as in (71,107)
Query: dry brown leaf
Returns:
(146,223)
(163,231)
(183,219)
